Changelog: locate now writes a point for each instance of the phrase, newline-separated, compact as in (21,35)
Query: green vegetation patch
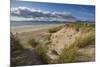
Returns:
(41,50)
(86,40)
(68,55)
(84,27)
(33,42)
(55,29)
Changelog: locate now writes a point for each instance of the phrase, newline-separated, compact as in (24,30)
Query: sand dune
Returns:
(55,39)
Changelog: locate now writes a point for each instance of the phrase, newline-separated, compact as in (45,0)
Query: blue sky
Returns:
(81,12)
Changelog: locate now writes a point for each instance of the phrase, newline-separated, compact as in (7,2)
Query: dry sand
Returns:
(27,33)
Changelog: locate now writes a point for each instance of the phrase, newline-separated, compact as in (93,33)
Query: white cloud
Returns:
(16,18)
(28,14)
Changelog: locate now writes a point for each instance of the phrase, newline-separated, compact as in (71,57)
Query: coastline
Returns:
(32,28)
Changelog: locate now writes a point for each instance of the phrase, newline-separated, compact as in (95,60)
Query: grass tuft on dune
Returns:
(42,45)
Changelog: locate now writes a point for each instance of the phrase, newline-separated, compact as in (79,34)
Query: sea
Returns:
(16,24)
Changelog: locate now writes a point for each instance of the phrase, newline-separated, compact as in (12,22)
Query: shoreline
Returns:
(29,28)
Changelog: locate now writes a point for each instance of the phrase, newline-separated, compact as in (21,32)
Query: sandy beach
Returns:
(25,33)
(33,28)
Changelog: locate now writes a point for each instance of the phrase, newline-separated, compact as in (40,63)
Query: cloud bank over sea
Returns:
(28,14)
